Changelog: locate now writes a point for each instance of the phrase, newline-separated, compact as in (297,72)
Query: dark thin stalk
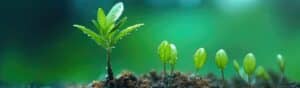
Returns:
(110,74)
(249,81)
(172,70)
(164,69)
(223,79)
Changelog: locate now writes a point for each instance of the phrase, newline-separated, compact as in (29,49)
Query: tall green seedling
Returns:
(109,31)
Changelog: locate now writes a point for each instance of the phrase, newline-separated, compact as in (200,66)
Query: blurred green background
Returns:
(39,44)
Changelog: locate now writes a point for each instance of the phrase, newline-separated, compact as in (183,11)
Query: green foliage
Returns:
(236,66)
(221,59)
(109,30)
(261,72)
(200,58)
(249,64)
(281,62)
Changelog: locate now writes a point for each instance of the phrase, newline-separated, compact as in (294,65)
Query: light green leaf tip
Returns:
(221,59)
(200,58)
(249,63)
(115,12)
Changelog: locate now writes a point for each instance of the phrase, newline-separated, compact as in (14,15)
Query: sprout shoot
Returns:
(199,58)
(221,61)
(249,66)
(108,32)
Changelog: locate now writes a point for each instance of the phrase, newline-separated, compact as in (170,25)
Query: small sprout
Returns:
(260,72)
(163,51)
(249,64)
(221,59)
(200,58)
(236,66)
(281,63)
(173,57)
(168,55)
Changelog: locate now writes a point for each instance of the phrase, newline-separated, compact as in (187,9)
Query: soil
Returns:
(154,79)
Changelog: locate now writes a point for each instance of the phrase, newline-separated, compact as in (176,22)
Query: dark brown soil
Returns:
(179,80)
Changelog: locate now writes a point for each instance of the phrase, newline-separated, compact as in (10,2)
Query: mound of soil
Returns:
(154,79)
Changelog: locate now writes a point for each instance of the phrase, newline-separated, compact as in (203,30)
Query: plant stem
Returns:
(223,79)
(280,79)
(249,81)
(110,74)
(164,69)
(172,69)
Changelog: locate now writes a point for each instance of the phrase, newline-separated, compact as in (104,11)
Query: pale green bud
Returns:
(281,62)
(221,59)
(164,51)
(249,63)
(173,54)
(200,58)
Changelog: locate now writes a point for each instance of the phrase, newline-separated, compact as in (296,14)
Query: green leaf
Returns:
(221,59)
(249,63)
(115,12)
(200,58)
(95,23)
(118,25)
(91,34)
(101,18)
(127,31)
(236,66)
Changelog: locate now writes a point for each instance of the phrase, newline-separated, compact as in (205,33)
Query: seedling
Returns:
(221,61)
(199,58)
(173,57)
(168,55)
(108,31)
(281,64)
(249,66)
(236,66)
(163,52)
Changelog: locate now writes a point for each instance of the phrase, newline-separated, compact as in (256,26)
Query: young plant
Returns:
(168,55)
(236,66)
(173,57)
(249,66)
(108,31)
(221,61)
(163,52)
(281,64)
(199,58)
